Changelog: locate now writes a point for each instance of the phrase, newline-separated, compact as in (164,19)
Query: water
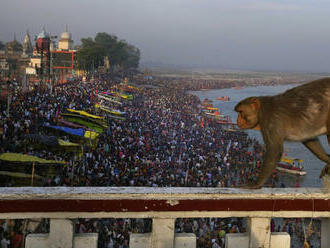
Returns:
(312,165)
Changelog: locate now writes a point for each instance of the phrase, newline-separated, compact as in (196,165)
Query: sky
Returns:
(266,35)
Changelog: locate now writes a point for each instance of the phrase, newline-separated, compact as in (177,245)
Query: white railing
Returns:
(164,205)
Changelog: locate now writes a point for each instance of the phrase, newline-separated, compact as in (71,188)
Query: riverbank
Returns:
(160,144)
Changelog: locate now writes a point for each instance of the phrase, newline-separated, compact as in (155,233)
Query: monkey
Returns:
(299,114)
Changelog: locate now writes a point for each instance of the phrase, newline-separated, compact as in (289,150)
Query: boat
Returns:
(224,120)
(119,94)
(109,110)
(223,98)
(291,166)
(110,99)
(206,103)
(211,111)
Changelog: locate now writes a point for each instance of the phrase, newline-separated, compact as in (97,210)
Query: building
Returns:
(27,45)
(65,43)
(63,58)
(41,59)
(12,61)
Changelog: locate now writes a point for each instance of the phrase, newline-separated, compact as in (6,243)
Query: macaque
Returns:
(299,114)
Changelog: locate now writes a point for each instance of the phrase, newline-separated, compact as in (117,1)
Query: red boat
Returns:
(224,120)
(223,98)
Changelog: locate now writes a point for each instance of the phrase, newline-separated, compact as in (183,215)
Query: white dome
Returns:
(66,35)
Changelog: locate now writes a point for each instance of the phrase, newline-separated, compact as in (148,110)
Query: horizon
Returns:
(253,35)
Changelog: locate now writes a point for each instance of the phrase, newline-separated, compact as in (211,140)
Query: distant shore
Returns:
(226,79)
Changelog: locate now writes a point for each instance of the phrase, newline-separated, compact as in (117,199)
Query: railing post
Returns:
(61,235)
(259,232)
(162,235)
(325,222)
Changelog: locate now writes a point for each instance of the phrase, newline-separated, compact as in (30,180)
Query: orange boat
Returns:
(223,98)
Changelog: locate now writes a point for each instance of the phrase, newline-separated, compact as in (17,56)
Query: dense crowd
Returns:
(162,143)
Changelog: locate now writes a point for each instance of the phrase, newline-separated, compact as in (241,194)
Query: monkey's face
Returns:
(247,116)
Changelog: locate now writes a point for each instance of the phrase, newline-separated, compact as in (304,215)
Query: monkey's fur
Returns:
(299,114)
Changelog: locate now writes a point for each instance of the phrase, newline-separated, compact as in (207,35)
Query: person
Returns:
(18,240)
(215,244)
(5,242)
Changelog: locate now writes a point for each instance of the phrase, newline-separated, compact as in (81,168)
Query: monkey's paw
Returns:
(325,170)
(250,186)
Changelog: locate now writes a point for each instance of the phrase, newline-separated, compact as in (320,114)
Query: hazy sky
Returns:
(290,35)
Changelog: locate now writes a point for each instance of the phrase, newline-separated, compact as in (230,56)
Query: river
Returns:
(312,165)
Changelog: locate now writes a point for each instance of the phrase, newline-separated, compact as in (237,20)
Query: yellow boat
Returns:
(291,165)
(211,108)
(84,113)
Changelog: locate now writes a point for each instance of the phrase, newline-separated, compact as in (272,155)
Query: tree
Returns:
(133,57)
(2,46)
(92,52)
(14,46)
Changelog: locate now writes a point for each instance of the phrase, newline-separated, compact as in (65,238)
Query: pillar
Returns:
(325,222)
(162,233)
(61,235)
(259,232)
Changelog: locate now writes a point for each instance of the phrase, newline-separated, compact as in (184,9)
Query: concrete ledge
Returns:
(159,193)
(148,202)
(181,240)
(185,240)
(280,239)
(241,240)
(62,235)
(139,240)
(36,240)
(235,240)
(85,240)
(81,240)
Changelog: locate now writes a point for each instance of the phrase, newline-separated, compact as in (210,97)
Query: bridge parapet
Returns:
(164,205)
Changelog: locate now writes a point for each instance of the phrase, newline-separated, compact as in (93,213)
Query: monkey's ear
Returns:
(255,103)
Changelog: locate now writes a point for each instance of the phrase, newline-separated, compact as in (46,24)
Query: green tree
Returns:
(92,52)
(90,56)
(133,57)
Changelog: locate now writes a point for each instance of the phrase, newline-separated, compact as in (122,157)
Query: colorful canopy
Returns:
(110,99)
(71,124)
(66,143)
(85,124)
(76,131)
(290,160)
(109,110)
(23,158)
(84,113)
(49,140)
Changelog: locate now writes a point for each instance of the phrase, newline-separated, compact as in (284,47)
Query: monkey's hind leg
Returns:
(326,169)
(316,148)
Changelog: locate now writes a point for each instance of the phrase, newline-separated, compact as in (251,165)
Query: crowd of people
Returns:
(161,143)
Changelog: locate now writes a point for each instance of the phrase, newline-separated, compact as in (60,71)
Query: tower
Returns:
(43,48)
(27,45)
(65,42)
